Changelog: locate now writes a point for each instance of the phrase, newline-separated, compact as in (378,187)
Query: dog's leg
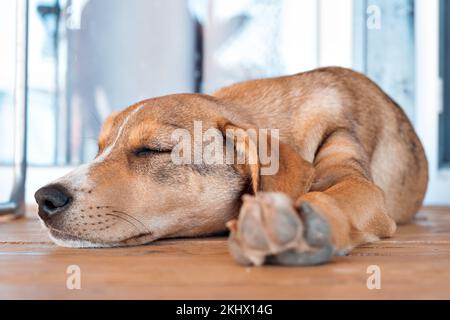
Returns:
(343,209)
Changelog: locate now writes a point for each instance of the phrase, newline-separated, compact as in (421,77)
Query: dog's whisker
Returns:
(131,217)
(124,218)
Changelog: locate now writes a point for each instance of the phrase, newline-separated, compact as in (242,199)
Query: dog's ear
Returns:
(270,164)
(106,129)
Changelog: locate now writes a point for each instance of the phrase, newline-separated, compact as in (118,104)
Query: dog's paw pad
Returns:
(270,230)
(317,229)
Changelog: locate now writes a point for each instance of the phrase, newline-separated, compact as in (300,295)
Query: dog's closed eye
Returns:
(146,151)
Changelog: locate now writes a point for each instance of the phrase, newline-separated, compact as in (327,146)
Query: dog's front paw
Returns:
(269,230)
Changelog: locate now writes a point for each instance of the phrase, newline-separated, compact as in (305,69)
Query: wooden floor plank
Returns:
(414,263)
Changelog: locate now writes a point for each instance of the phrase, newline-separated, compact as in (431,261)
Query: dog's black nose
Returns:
(52,200)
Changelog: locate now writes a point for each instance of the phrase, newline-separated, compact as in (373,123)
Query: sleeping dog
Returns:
(349,168)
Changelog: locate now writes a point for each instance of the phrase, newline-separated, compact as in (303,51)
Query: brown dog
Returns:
(350,168)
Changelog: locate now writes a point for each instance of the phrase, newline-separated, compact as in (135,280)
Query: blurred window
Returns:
(88,58)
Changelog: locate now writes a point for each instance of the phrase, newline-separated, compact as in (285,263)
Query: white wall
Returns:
(429,97)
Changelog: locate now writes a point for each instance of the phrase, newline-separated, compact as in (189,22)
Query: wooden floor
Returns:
(414,264)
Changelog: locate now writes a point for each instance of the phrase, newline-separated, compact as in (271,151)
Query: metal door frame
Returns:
(16,204)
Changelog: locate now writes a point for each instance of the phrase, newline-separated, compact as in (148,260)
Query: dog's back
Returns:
(308,107)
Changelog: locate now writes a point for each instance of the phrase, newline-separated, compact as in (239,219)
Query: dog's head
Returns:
(135,191)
